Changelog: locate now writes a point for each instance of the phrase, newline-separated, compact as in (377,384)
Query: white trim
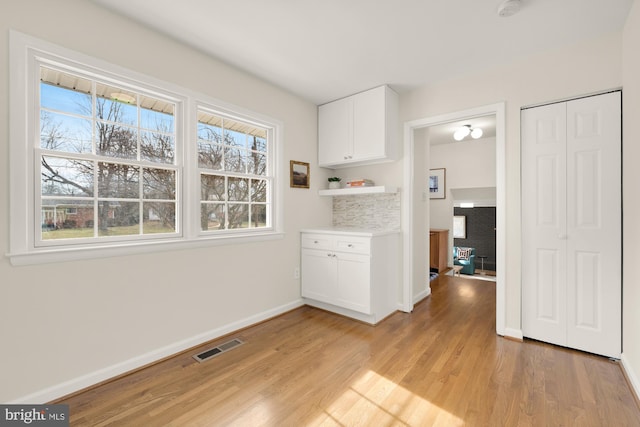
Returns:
(24,48)
(514,333)
(498,110)
(407,219)
(631,375)
(79,383)
(422,295)
(80,253)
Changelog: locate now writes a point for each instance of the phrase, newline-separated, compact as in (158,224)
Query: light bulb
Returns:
(461,133)
(476,133)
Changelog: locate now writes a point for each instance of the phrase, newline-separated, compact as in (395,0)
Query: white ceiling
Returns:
(327,49)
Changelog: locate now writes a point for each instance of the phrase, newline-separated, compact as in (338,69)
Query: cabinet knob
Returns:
(350,245)
(315,242)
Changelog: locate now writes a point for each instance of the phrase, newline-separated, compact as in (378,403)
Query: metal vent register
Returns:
(222,348)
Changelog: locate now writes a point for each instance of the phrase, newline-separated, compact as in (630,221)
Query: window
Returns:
(108,161)
(232,157)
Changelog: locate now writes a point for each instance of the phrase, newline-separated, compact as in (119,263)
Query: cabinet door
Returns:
(319,275)
(335,132)
(354,282)
(369,125)
(434,251)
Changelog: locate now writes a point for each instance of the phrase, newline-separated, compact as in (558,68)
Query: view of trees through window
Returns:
(108,163)
(232,157)
(107,160)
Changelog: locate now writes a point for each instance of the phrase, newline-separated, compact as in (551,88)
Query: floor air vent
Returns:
(222,348)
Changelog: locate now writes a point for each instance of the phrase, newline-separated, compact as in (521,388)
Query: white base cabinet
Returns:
(353,274)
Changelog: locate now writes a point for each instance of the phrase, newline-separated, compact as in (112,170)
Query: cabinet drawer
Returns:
(317,241)
(356,245)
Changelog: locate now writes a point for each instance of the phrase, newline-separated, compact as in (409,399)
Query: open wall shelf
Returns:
(358,190)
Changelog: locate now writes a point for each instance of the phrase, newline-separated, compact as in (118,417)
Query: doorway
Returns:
(415,285)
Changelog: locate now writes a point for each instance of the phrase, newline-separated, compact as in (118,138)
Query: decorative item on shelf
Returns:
(334,182)
(298,174)
(360,182)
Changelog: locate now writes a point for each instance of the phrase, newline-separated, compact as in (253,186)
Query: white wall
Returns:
(65,325)
(566,72)
(468,164)
(631,178)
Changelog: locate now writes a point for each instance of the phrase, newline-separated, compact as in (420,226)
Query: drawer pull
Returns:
(350,245)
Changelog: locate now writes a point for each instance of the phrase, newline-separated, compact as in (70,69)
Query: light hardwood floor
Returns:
(441,365)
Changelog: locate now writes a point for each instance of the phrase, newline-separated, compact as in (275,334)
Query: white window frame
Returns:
(33,74)
(270,176)
(25,52)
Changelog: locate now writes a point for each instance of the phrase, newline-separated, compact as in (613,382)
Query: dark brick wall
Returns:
(481,234)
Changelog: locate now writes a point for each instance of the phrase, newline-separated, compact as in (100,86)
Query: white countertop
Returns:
(352,231)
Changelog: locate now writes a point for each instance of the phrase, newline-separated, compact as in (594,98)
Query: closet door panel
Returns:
(544,223)
(548,287)
(588,189)
(589,284)
(594,225)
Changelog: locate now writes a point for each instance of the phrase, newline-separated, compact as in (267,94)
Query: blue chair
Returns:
(467,262)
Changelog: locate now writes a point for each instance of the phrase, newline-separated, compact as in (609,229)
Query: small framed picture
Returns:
(459,227)
(298,174)
(437,184)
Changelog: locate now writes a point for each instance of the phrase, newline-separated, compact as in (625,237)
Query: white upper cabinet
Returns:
(358,130)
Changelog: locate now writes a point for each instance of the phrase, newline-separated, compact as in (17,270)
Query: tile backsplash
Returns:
(375,211)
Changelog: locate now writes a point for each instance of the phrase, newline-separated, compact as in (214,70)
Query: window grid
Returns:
(98,218)
(224,207)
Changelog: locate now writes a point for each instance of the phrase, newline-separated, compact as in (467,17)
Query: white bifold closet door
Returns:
(571,224)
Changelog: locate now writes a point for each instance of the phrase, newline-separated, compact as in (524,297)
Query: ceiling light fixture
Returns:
(508,8)
(466,130)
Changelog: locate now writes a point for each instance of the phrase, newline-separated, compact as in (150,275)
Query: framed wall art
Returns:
(298,174)
(459,227)
(437,184)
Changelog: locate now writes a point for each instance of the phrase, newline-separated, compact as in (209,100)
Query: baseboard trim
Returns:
(631,377)
(72,386)
(422,295)
(513,334)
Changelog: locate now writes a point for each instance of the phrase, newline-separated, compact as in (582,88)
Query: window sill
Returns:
(47,256)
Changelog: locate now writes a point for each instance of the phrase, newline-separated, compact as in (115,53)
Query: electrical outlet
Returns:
(296,273)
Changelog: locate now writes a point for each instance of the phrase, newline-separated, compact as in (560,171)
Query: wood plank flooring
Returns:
(441,365)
